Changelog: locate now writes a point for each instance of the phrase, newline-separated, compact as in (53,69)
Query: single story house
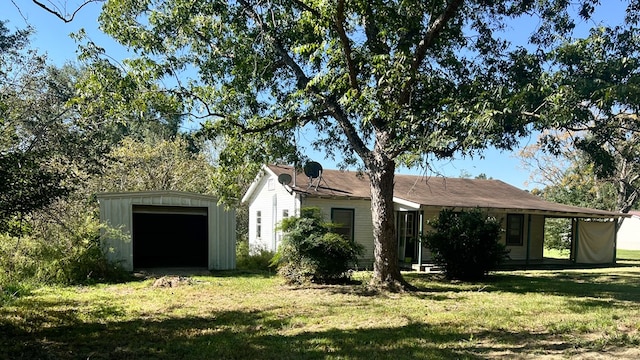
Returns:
(280,191)
(164,229)
(629,232)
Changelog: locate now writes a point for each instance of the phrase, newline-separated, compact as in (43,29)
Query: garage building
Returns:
(168,229)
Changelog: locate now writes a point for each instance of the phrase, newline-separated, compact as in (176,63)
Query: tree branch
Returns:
(331,104)
(57,13)
(434,29)
(346,44)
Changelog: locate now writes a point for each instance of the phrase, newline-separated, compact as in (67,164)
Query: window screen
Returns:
(515,229)
(343,219)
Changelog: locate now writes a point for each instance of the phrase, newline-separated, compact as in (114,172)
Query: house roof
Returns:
(439,192)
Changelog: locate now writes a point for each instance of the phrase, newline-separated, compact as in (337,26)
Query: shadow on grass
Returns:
(621,287)
(227,335)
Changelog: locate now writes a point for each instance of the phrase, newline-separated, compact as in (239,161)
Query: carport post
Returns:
(577,238)
(528,237)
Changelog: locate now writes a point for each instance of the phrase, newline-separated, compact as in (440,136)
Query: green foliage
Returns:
(465,244)
(377,83)
(310,252)
(557,234)
(252,259)
(594,96)
(61,248)
(156,164)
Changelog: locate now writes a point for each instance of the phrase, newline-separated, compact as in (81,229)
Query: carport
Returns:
(168,229)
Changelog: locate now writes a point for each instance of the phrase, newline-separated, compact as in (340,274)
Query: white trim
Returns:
(407,203)
(144,194)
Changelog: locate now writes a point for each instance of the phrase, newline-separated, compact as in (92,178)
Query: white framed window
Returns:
(343,219)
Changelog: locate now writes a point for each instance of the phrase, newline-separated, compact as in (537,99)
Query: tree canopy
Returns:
(593,99)
(380,83)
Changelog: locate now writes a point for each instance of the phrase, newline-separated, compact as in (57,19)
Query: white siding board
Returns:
(363,225)
(263,201)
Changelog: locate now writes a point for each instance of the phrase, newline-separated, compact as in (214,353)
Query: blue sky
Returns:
(52,37)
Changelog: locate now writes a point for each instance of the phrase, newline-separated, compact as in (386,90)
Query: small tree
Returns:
(465,244)
(311,252)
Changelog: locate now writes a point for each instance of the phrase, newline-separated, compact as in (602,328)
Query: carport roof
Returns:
(439,192)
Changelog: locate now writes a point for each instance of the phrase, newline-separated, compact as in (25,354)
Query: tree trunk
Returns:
(386,271)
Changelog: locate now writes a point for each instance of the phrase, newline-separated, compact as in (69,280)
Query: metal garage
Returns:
(168,229)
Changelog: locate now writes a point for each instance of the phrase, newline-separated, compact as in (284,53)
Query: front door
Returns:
(407,234)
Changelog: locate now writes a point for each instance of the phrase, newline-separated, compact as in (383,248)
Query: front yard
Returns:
(592,313)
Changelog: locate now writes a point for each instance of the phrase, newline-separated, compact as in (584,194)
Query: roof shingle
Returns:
(435,191)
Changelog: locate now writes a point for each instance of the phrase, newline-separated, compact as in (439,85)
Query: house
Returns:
(629,232)
(161,229)
(344,197)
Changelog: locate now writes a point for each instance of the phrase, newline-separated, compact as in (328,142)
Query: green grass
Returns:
(556,254)
(524,314)
(628,254)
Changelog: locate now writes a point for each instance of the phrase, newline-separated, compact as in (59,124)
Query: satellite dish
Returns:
(313,169)
(284,179)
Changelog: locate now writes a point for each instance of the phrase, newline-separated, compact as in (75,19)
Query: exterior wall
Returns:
(628,237)
(516,252)
(116,211)
(362,223)
(271,199)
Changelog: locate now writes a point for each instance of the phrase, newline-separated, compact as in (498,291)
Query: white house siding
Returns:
(628,237)
(116,210)
(271,199)
(362,223)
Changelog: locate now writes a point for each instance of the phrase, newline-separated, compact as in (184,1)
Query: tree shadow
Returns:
(227,335)
(620,287)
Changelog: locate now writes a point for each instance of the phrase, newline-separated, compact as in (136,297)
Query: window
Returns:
(258,224)
(343,219)
(285,213)
(515,229)
(271,185)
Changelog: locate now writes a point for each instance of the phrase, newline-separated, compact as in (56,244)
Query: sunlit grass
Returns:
(628,254)
(518,314)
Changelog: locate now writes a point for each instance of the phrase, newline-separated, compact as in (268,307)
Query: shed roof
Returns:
(437,192)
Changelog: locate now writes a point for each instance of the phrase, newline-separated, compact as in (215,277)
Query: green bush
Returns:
(557,234)
(465,244)
(252,259)
(65,251)
(310,252)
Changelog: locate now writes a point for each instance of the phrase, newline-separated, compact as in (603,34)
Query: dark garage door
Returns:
(169,236)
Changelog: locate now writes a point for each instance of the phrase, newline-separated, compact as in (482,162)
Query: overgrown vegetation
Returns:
(61,245)
(465,244)
(585,313)
(255,259)
(311,252)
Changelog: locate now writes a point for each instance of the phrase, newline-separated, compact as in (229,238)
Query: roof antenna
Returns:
(313,170)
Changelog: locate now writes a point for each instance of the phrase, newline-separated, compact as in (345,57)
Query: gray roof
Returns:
(437,192)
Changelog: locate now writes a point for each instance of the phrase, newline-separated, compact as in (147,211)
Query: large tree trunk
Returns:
(386,271)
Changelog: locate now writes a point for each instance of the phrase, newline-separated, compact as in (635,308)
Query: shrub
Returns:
(248,258)
(62,248)
(310,252)
(557,234)
(465,244)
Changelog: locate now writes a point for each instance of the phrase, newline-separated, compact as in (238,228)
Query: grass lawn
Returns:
(592,313)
